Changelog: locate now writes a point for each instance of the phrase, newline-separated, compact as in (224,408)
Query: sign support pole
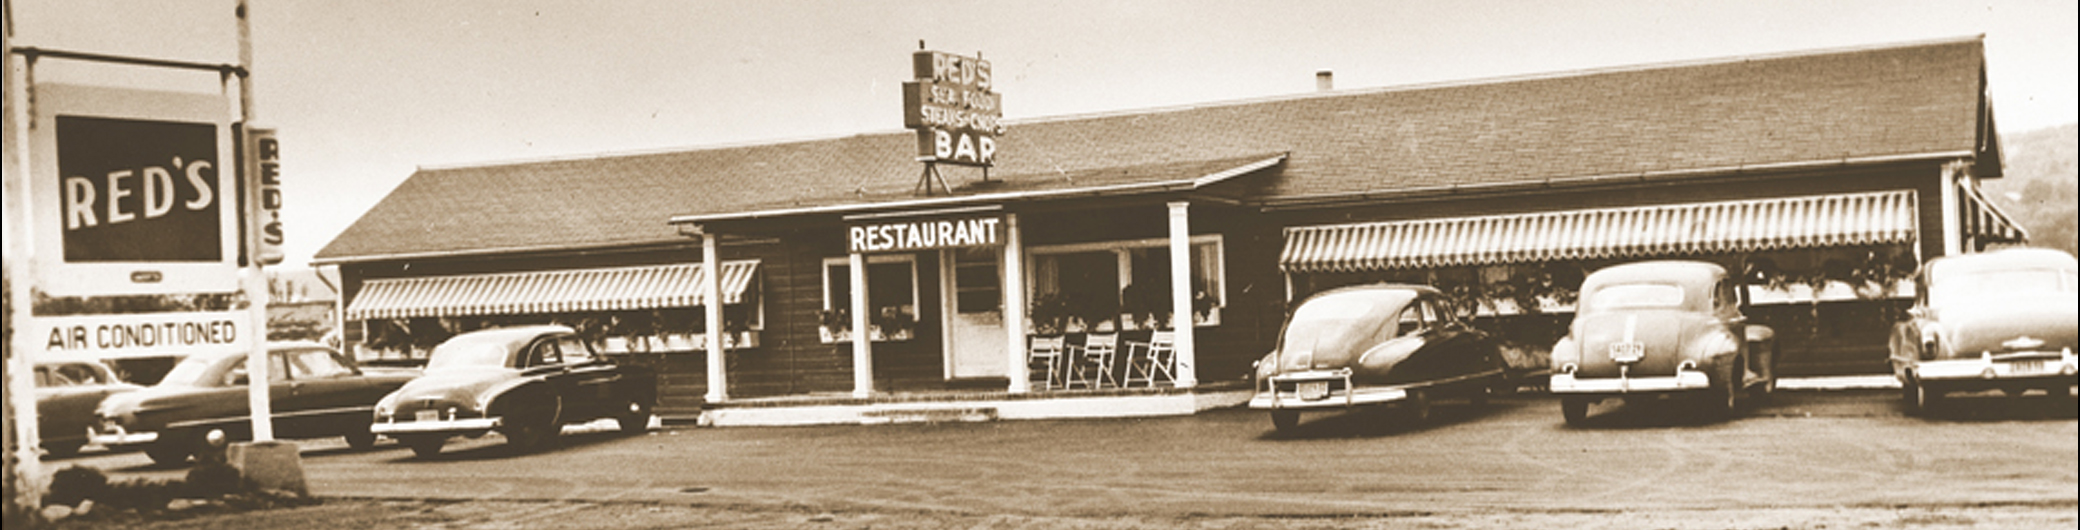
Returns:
(27,472)
(253,279)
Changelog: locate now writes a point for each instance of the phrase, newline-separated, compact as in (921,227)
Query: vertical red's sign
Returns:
(950,104)
(264,175)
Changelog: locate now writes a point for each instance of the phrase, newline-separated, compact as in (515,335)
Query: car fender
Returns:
(499,399)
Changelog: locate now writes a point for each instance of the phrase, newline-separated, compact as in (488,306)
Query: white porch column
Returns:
(862,341)
(711,267)
(1015,306)
(1953,225)
(1181,294)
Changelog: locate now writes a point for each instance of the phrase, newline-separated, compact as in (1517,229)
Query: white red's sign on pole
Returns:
(132,192)
(950,104)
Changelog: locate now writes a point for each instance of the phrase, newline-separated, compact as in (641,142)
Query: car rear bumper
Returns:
(462,425)
(2009,368)
(1340,392)
(1683,381)
(116,436)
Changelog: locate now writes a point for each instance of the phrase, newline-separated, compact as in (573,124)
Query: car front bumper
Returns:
(117,436)
(1683,381)
(453,426)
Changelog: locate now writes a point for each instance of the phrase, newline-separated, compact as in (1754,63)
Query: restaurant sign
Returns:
(906,236)
(950,104)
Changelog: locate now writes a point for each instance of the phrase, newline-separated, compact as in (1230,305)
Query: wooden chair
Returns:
(1149,361)
(1091,362)
(1044,362)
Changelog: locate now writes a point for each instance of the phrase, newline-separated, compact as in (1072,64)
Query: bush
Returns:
(73,484)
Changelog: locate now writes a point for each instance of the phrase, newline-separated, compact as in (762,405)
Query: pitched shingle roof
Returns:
(1898,100)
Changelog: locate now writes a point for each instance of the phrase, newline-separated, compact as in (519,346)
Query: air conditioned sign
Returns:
(925,235)
(143,335)
(133,192)
(950,104)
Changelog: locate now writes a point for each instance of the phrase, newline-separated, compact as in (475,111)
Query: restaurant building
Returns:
(1182,235)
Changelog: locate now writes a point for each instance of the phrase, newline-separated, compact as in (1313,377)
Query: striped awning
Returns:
(563,291)
(1666,230)
(1985,222)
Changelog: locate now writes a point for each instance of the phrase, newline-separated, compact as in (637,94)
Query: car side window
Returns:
(236,376)
(1411,320)
(543,353)
(574,349)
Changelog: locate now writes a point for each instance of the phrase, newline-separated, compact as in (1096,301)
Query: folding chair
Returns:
(1044,362)
(1147,359)
(1091,363)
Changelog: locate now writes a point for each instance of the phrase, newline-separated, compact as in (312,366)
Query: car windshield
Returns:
(1337,315)
(1999,284)
(1635,296)
(193,370)
(467,352)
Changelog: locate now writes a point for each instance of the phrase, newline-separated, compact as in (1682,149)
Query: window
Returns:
(1126,284)
(891,298)
(315,364)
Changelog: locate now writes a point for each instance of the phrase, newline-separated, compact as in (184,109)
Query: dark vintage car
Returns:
(313,392)
(1997,320)
(1376,344)
(524,382)
(1662,328)
(66,394)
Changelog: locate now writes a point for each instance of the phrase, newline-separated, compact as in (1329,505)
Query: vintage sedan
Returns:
(313,392)
(66,394)
(523,382)
(1376,344)
(1658,329)
(2001,320)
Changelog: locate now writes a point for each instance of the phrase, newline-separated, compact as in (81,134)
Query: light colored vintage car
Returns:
(523,382)
(1662,328)
(313,391)
(1997,320)
(1372,345)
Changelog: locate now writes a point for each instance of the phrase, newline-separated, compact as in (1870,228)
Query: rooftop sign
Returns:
(950,104)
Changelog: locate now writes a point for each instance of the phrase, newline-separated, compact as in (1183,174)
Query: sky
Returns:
(365,92)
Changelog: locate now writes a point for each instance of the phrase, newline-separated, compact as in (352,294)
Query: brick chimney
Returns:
(1324,80)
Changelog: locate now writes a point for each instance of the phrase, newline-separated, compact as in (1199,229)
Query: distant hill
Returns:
(2041,190)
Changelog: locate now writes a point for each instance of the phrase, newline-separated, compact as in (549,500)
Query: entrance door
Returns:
(974,300)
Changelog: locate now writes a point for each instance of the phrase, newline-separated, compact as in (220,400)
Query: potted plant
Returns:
(1050,314)
(893,323)
(1145,306)
(834,325)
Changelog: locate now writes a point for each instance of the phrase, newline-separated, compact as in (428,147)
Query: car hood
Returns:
(452,386)
(2035,323)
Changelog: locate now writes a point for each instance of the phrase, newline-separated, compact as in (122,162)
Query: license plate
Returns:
(1312,389)
(2026,367)
(427,415)
(1626,352)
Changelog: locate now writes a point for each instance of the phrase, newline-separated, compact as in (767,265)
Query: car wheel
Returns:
(424,446)
(1575,409)
(1726,402)
(168,451)
(1285,420)
(635,419)
(1910,394)
(360,439)
(1924,398)
(1419,406)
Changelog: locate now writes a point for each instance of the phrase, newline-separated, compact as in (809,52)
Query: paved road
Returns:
(1807,450)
